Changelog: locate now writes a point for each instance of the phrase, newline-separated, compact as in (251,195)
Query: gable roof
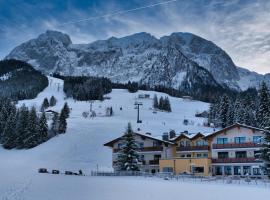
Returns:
(189,136)
(110,144)
(234,126)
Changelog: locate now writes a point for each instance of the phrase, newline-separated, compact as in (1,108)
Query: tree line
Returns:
(162,104)
(25,128)
(249,107)
(19,80)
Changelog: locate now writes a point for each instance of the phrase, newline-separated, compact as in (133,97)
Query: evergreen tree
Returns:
(230,115)
(44,105)
(238,111)
(265,153)
(155,102)
(9,134)
(55,125)
(167,104)
(224,108)
(263,112)
(128,156)
(32,137)
(21,126)
(53,101)
(161,103)
(62,122)
(43,128)
(66,110)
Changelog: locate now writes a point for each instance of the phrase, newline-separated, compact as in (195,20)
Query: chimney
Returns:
(172,134)
(165,136)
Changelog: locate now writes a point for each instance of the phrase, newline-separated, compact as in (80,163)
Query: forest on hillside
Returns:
(19,80)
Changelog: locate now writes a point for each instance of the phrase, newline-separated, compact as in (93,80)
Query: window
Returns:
(223,155)
(222,140)
(240,154)
(239,140)
(257,154)
(199,155)
(198,169)
(257,139)
(188,155)
(157,157)
(205,155)
(167,169)
(256,171)
(120,145)
(201,143)
(237,170)
(156,143)
(183,155)
(228,170)
(140,144)
(247,170)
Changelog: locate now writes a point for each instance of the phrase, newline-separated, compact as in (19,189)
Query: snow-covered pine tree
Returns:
(128,157)
(238,118)
(45,105)
(43,128)
(33,137)
(55,125)
(265,153)
(53,101)
(224,108)
(155,102)
(9,133)
(62,122)
(21,126)
(161,103)
(230,115)
(66,110)
(263,112)
(167,104)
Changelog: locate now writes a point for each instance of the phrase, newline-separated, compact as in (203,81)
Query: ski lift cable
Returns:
(119,12)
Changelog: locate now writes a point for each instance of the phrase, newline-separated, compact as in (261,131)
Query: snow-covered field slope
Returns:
(82,148)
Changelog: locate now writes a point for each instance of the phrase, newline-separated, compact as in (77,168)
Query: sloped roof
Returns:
(140,134)
(233,126)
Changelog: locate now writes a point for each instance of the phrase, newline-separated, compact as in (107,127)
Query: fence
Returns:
(260,181)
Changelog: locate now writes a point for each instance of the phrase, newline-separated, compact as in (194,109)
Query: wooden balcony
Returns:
(235,160)
(193,148)
(144,149)
(236,145)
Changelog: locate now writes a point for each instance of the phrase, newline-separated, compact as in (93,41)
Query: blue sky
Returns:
(240,27)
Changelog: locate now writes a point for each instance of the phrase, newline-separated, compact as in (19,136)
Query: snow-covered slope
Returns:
(82,145)
(82,148)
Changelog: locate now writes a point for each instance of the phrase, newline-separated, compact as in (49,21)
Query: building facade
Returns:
(230,151)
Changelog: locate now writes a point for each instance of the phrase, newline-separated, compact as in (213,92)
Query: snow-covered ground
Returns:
(82,148)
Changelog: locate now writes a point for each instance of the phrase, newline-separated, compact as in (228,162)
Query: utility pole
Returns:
(138,104)
(91,105)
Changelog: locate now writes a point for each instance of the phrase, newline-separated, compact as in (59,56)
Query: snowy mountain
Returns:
(181,60)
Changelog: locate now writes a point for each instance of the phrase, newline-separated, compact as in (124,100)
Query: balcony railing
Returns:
(193,148)
(236,145)
(235,160)
(144,149)
(153,162)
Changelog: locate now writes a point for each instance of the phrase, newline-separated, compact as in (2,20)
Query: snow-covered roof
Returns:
(236,125)
(140,134)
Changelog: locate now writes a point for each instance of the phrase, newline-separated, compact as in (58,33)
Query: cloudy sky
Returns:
(240,27)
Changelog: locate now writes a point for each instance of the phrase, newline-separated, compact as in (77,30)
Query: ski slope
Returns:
(82,148)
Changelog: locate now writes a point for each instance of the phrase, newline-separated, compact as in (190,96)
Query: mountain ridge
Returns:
(173,61)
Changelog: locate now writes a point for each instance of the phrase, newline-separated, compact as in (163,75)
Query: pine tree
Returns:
(53,101)
(265,153)
(21,126)
(32,137)
(167,104)
(66,110)
(263,112)
(44,105)
(238,111)
(161,103)
(9,134)
(43,128)
(230,115)
(55,125)
(128,157)
(155,102)
(62,122)
(224,108)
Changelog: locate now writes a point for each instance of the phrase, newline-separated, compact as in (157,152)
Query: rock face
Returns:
(180,60)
